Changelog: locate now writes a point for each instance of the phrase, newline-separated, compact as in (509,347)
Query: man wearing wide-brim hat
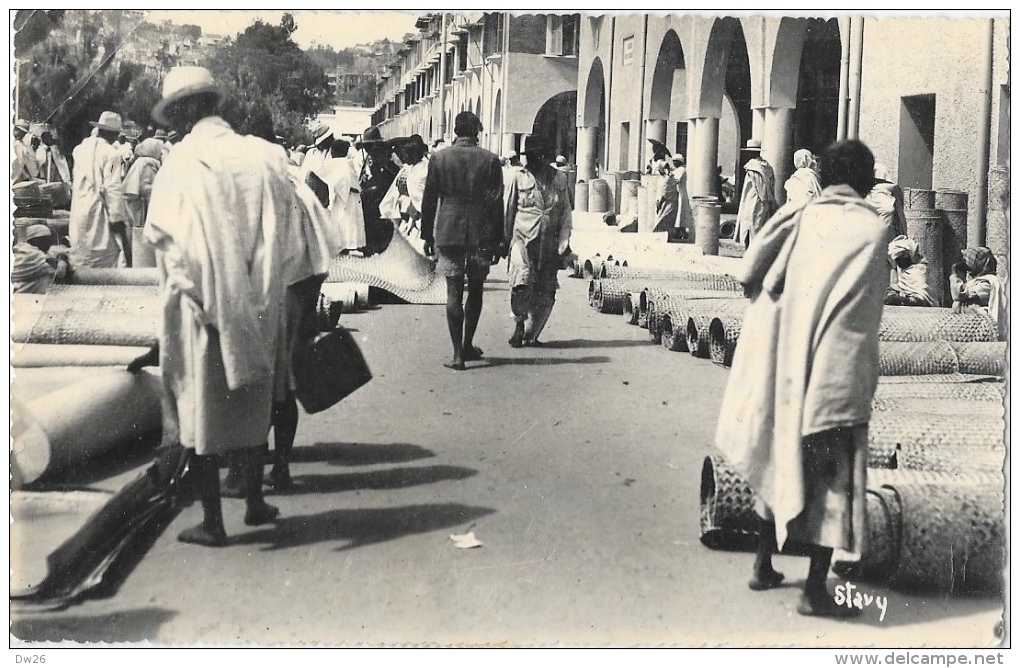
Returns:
(234,234)
(98,230)
(26,166)
(757,195)
(318,154)
(378,171)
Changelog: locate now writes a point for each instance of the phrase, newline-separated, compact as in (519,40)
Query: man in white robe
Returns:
(757,196)
(98,220)
(346,216)
(794,417)
(227,222)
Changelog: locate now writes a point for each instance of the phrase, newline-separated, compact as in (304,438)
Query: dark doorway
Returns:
(917,141)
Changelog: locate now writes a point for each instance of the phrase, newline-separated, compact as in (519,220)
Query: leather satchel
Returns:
(327,369)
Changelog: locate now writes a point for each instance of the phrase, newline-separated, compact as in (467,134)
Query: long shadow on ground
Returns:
(540,361)
(360,454)
(589,343)
(360,527)
(135,625)
(396,478)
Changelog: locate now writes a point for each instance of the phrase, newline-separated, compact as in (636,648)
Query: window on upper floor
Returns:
(462,50)
(628,50)
(492,37)
(561,33)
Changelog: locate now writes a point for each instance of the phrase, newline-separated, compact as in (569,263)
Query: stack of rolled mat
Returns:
(901,358)
(887,432)
(723,332)
(919,387)
(958,406)
(608,296)
(905,323)
(399,270)
(632,308)
(90,276)
(941,536)
(97,301)
(97,291)
(926,531)
(949,458)
(666,312)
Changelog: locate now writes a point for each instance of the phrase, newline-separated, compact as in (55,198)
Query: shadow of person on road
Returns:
(360,454)
(540,361)
(395,478)
(137,625)
(357,527)
(594,343)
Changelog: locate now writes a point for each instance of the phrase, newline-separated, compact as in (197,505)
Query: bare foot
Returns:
(472,353)
(456,365)
(199,535)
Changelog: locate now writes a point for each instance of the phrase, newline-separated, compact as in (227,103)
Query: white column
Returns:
(757,124)
(777,146)
(587,141)
(507,146)
(702,155)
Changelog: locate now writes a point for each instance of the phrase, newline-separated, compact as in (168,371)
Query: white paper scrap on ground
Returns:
(465,540)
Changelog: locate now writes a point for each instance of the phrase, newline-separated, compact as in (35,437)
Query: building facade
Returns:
(517,73)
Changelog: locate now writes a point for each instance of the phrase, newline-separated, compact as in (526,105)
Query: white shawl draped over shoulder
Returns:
(807,361)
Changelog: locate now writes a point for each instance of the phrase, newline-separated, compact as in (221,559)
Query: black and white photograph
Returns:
(582,328)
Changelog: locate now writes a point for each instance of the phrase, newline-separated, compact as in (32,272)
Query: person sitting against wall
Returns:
(976,288)
(38,261)
(908,281)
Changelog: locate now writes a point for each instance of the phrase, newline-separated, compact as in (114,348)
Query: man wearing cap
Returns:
(462,219)
(98,228)
(53,164)
(35,267)
(758,195)
(25,167)
(378,172)
(231,229)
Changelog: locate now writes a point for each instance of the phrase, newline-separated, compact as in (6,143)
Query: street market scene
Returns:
(505,329)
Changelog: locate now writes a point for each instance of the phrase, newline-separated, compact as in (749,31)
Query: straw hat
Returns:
(38,231)
(370,137)
(561,161)
(160,135)
(753,144)
(108,120)
(182,82)
(322,133)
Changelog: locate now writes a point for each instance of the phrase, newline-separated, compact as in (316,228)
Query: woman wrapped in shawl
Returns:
(667,199)
(794,417)
(976,288)
(537,227)
(803,184)
(887,198)
(138,182)
(910,286)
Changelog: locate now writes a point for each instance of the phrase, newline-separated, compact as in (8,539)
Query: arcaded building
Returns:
(930,96)
(518,73)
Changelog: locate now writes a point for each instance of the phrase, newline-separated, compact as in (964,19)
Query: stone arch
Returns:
(670,70)
(554,120)
(817,93)
(593,111)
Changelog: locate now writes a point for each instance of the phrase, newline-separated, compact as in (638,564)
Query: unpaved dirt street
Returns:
(576,465)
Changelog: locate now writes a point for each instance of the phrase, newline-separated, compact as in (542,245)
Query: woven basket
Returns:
(698,336)
(723,333)
(906,323)
(728,519)
(910,358)
(952,538)
(90,276)
(991,392)
(984,358)
(949,458)
(399,270)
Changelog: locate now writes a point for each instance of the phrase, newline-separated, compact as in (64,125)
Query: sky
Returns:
(334,28)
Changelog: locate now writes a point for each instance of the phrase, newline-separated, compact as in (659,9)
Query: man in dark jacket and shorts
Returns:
(462,223)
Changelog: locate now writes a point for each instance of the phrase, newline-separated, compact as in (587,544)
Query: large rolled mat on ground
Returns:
(56,432)
(888,432)
(917,358)
(399,270)
(723,333)
(689,278)
(952,539)
(949,458)
(905,323)
(681,310)
(672,338)
(939,379)
(728,519)
(913,387)
(94,301)
(631,307)
(960,407)
(91,291)
(86,327)
(34,355)
(90,276)
(609,296)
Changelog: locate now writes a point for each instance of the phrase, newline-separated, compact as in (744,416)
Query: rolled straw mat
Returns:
(86,327)
(89,276)
(950,379)
(960,407)
(981,357)
(728,519)
(695,279)
(90,291)
(31,355)
(909,388)
(723,333)
(106,303)
(672,338)
(903,358)
(699,339)
(887,432)
(905,323)
(399,270)
(631,307)
(610,295)
(949,458)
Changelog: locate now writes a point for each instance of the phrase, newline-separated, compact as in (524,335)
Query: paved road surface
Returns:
(576,465)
